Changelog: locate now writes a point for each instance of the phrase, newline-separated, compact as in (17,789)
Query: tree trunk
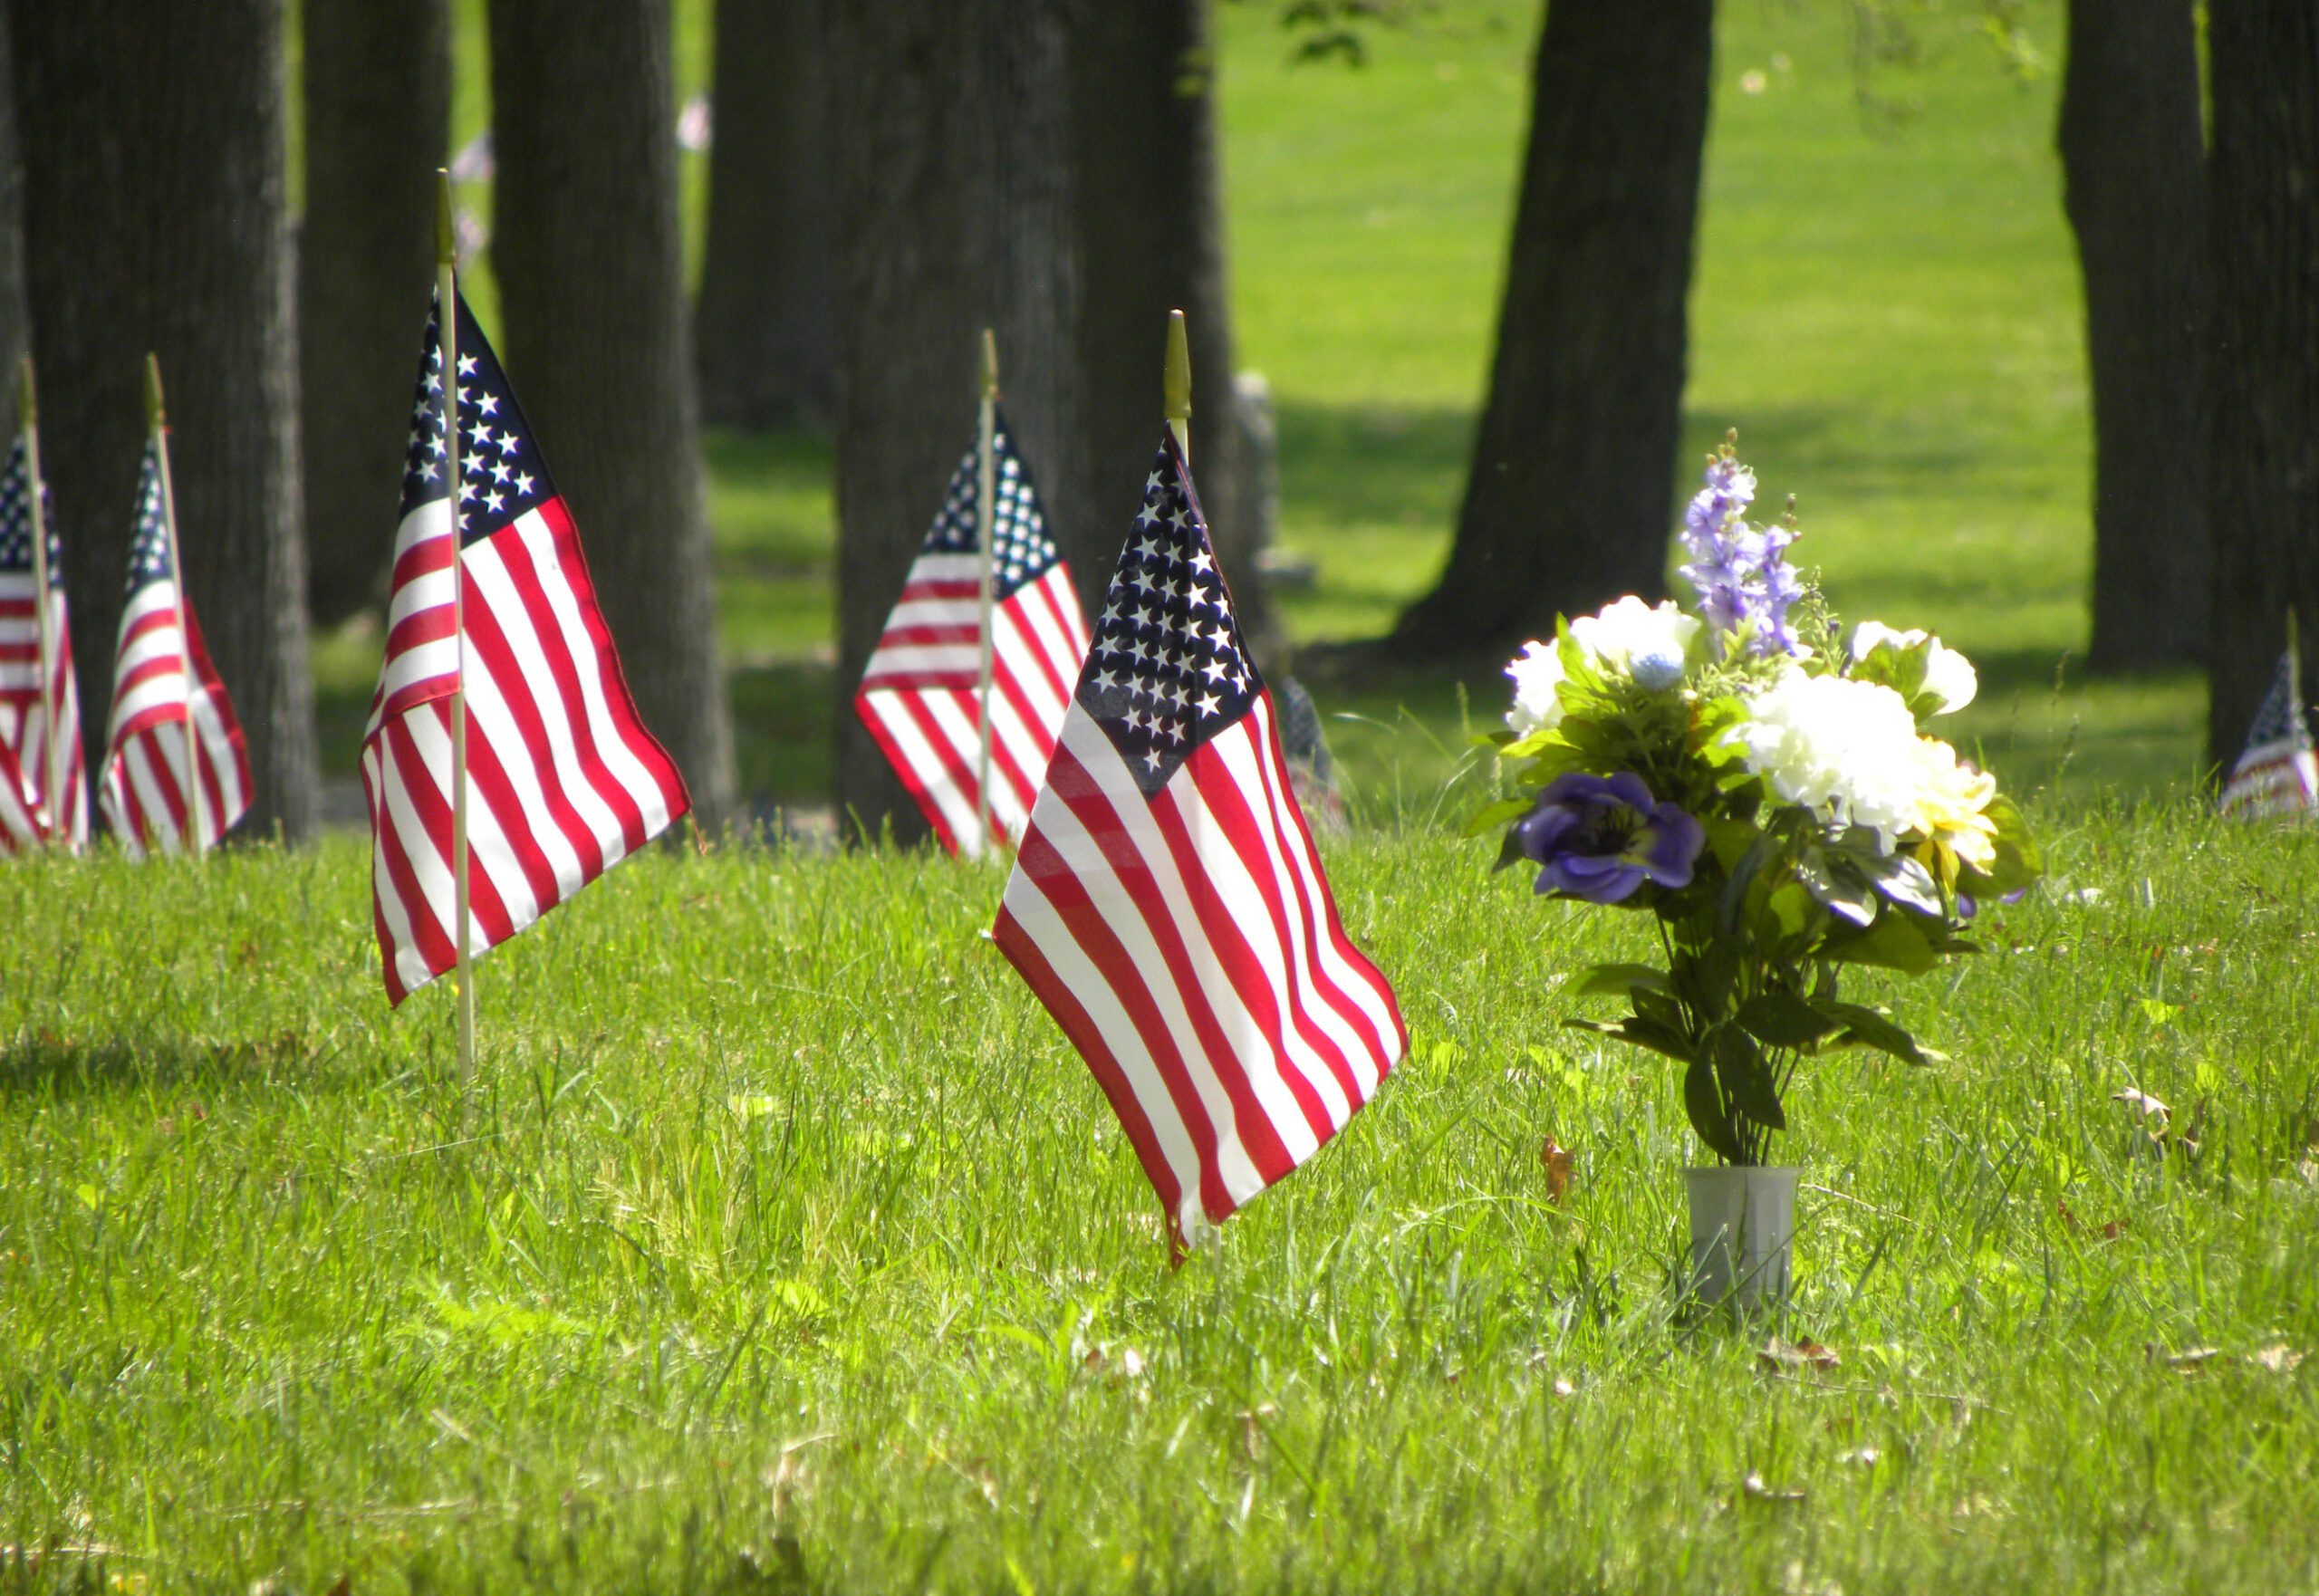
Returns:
(589,257)
(1151,223)
(2263,366)
(1569,500)
(378,81)
(2134,185)
(15,335)
(952,177)
(766,332)
(156,219)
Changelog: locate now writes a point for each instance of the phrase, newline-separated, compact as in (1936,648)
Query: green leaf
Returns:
(1871,1027)
(1778,1019)
(1746,1079)
(1791,909)
(1613,981)
(1491,816)
(1893,943)
(1658,1005)
(1735,888)
(1639,1032)
(1829,878)
(2018,863)
(1705,1106)
(1906,882)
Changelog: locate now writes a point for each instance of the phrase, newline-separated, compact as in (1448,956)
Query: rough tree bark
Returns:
(1150,225)
(2134,185)
(377,82)
(1570,498)
(156,219)
(16,335)
(588,250)
(951,171)
(2263,364)
(765,331)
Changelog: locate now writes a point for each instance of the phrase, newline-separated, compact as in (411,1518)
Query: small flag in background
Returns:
(563,779)
(2278,774)
(918,694)
(1166,905)
(162,681)
(26,711)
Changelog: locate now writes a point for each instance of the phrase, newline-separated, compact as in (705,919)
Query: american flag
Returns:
(26,712)
(918,692)
(163,682)
(563,779)
(1166,904)
(2277,775)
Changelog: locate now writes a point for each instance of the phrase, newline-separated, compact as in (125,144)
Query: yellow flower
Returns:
(1951,798)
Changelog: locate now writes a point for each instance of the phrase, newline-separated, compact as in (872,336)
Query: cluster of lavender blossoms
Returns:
(1741,572)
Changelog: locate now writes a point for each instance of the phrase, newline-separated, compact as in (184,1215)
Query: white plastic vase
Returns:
(1743,1234)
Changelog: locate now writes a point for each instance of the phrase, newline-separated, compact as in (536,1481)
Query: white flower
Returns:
(1627,638)
(1537,681)
(1648,642)
(1949,676)
(1846,750)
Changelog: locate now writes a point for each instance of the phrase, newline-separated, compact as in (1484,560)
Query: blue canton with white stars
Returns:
(16,522)
(149,547)
(1169,670)
(2280,719)
(1021,550)
(501,473)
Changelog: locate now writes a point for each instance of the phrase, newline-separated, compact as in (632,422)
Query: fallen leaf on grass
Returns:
(2109,1232)
(345,1586)
(1128,1365)
(2280,1359)
(1555,1161)
(1786,1357)
(2192,1361)
(1861,1457)
(1252,1428)
(1756,1491)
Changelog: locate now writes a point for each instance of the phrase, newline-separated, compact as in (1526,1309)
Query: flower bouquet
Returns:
(1763,786)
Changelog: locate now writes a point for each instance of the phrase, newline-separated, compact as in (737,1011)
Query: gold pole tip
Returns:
(447,232)
(155,414)
(990,363)
(1176,384)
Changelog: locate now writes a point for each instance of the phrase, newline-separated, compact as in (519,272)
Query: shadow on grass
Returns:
(49,1065)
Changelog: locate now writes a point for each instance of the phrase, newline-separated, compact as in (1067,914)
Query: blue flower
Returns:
(1600,838)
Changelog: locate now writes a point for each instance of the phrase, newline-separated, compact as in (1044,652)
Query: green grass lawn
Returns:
(783,1246)
(1885,305)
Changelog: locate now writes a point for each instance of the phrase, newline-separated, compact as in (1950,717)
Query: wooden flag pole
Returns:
(156,424)
(986,521)
(2295,671)
(54,797)
(1176,384)
(447,318)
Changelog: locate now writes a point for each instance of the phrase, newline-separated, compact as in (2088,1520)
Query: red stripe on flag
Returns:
(1131,874)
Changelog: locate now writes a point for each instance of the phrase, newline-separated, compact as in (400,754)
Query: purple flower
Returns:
(1741,572)
(1600,838)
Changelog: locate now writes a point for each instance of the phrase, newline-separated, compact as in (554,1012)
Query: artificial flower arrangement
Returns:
(1765,789)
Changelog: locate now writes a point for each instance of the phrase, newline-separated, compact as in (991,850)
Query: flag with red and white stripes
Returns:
(2277,773)
(1166,904)
(563,779)
(167,702)
(920,690)
(28,706)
